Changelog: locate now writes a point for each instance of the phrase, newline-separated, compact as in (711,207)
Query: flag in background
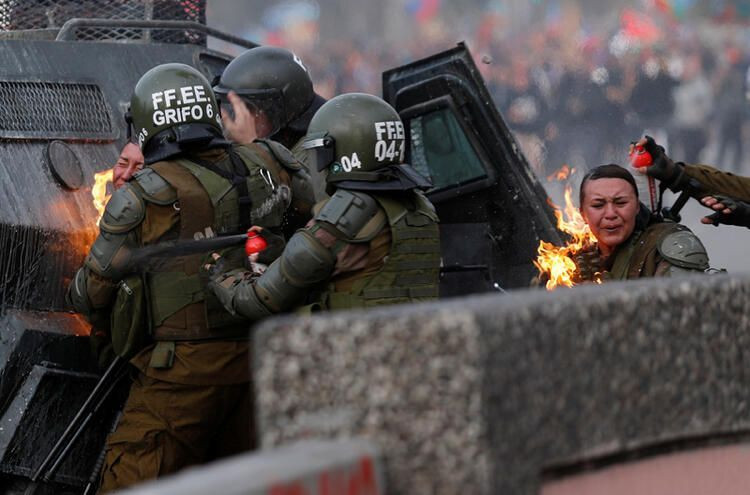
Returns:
(639,26)
(291,23)
(423,10)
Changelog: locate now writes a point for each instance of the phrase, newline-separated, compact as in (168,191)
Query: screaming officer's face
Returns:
(609,206)
(129,162)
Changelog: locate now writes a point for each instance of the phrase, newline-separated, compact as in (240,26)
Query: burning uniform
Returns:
(190,400)
(375,241)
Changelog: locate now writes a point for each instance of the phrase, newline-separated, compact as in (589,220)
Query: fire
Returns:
(557,261)
(563,174)
(99,192)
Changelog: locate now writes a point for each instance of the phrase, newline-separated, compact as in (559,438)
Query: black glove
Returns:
(274,249)
(221,282)
(663,168)
(739,214)
(215,266)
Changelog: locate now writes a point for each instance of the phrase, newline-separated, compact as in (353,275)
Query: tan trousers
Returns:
(168,426)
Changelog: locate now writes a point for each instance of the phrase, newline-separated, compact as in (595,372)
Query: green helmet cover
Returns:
(354,134)
(171,95)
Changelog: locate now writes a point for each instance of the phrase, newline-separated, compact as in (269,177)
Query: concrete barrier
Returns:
(312,467)
(499,393)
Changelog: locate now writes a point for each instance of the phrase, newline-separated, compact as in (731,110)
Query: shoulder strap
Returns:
(237,177)
(191,197)
(155,189)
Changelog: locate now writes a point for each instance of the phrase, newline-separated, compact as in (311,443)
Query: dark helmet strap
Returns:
(240,181)
(129,124)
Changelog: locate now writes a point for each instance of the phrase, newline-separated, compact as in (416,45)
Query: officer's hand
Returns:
(662,167)
(222,283)
(239,128)
(276,244)
(216,268)
(728,211)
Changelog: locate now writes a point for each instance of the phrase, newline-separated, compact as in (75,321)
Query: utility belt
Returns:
(191,324)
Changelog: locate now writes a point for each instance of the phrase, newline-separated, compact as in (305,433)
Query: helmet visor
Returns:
(267,101)
(321,152)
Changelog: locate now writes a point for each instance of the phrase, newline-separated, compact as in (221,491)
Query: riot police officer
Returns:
(189,402)
(266,92)
(374,241)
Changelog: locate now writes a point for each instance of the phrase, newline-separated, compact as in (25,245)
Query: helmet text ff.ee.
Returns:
(172,96)
(354,134)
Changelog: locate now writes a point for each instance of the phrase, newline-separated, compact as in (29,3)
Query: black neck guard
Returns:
(187,138)
(392,178)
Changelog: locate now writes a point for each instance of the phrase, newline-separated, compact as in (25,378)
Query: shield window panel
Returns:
(440,147)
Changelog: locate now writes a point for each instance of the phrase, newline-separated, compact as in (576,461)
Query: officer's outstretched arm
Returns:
(305,263)
(715,181)
(309,257)
(699,179)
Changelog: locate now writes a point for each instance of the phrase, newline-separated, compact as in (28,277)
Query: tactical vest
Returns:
(180,309)
(411,269)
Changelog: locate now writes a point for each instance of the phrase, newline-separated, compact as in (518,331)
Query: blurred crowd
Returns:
(581,107)
(576,91)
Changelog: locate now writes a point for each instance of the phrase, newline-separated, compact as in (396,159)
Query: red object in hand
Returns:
(254,243)
(639,157)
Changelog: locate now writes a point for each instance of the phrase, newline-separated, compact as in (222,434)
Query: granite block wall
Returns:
(495,393)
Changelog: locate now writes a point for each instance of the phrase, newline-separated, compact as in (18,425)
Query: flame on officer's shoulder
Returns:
(99,192)
(556,262)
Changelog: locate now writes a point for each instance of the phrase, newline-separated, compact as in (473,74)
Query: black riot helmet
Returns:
(275,81)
